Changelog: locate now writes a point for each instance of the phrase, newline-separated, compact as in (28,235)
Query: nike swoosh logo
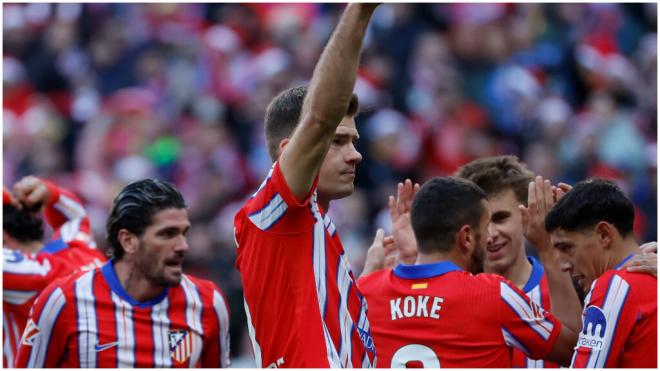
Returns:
(100,348)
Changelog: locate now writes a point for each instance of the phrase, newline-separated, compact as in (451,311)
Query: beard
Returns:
(153,270)
(477,258)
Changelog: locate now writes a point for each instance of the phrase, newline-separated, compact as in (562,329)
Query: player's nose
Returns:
(182,244)
(353,155)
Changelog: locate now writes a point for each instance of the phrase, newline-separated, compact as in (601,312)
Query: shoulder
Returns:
(373,280)
(205,288)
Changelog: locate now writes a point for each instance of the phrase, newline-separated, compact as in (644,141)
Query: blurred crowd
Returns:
(98,95)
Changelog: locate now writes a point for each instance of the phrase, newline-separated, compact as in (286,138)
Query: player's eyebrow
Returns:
(345,136)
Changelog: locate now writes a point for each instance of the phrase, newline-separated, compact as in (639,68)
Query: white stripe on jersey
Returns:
(125,332)
(269,214)
(87,324)
(160,329)
(193,319)
(345,321)
(329,225)
(535,295)
(263,184)
(69,208)
(615,298)
(511,341)
(521,306)
(7,339)
(253,338)
(45,324)
(16,263)
(17,297)
(70,229)
(223,321)
(320,277)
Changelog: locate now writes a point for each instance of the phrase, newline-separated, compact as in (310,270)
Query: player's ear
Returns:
(605,234)
(129,241)
(466,238)
(283,144)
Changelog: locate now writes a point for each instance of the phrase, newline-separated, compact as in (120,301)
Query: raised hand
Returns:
(540,200)
(381,253)
(646,262)
(31,192)
(402,231)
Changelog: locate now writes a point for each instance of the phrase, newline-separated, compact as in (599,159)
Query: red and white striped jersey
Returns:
(72,246)
(620,323)
(436,315)
(88,321)
(24,276)
(302,304)
(538,291)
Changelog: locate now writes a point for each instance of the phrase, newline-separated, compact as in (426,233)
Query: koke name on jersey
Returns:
(420,306)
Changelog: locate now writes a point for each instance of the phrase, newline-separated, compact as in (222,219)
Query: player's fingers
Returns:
(524,213)
(391,204)
(378,239)
(531,197)
(649,247)
(547,193)
(564,187)
(399,198)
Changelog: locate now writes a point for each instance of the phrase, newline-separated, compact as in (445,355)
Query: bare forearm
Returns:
(334,76)
(564,301)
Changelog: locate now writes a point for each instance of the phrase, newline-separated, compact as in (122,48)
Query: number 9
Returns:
(416,353)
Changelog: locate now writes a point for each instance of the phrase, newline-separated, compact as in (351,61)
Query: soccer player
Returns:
(302,304)
(506,182)
(23,276)
(436,313)
(139,309)
(592,227)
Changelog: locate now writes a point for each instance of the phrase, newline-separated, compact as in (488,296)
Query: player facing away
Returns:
(24,275)
(437,312)
(592,227)
(302,304)
(29,264)
(506,181)
(139,309)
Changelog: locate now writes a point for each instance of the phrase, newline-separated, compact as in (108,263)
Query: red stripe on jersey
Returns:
(106,323)
(142,326)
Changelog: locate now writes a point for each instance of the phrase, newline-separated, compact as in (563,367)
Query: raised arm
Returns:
(327,100)
(565,304)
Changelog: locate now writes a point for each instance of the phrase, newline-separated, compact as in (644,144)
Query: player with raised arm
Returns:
(592,228)
(507,183)
(24,274)
(436,313)
(139,309)
(303,306)
(72,239)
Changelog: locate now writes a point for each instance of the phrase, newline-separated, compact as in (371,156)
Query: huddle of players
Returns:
(302,301)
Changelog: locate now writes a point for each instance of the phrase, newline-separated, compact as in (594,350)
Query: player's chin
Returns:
(172,276)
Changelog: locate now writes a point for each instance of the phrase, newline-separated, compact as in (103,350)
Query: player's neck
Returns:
(30,247)
(520,271)
(623,250)
(435,257)
(136,285)
(324,204)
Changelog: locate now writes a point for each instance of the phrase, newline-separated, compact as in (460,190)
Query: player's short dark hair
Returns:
(134,207)
(21,224)
(499,174)
(283,115)
(441,207)
(590,202)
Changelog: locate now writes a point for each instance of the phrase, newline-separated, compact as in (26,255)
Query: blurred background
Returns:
(98,95)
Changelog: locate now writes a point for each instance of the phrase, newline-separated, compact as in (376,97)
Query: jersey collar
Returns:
(110,276)
(535,277)
(425,270)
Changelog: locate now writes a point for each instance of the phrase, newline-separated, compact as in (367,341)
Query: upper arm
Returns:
(525,325)
(44,338)
(302,157)
(608,319)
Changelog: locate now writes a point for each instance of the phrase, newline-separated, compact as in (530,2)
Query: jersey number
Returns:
(415,356)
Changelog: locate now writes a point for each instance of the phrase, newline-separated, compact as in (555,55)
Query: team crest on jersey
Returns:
(180,345)
(593,328)
(30,333)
